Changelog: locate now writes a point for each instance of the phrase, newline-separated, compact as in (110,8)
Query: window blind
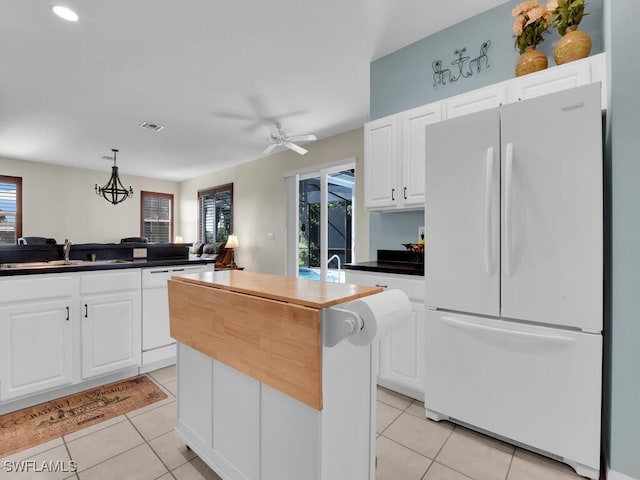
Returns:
(10,209)
(215,214)
(157,217)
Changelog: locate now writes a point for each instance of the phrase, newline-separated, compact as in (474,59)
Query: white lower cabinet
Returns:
(36,352)
(60,329)
(400,354)
(36,334)
(110,321)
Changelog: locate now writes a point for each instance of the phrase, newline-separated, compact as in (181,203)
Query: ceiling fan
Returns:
(279,138)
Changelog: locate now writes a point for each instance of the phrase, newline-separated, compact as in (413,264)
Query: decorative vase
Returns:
(531,61)
(574,45)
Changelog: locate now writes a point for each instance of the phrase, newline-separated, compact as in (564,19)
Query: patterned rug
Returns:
(38,424)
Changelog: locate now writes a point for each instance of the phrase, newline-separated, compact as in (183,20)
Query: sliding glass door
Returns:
(324,223)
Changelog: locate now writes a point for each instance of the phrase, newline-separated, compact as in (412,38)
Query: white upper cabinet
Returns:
(394,159)
(412,124)
(563,77)
(381,163)
(476,101)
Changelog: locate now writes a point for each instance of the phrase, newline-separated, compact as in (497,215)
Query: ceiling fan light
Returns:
(65,13)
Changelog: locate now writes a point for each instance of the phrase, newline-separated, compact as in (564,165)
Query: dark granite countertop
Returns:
(89,266)
(387,267)
(392,261)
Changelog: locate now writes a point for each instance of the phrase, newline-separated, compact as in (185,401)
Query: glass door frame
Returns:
(292,182)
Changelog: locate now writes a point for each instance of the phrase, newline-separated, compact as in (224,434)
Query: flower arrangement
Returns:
(531,21)
(566,14)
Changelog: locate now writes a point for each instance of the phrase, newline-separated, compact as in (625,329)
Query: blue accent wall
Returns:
(622,322)
(388,231)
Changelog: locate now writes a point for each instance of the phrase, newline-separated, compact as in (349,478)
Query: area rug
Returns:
(38,424)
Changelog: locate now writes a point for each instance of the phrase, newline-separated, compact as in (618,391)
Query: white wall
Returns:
(259,198)
(60,202)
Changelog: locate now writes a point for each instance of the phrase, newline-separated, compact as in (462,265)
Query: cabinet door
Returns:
(552,80)
(110,332)
(36,347)
(462,215)
(412,126)
(402,354)
(381,163)
(476,101)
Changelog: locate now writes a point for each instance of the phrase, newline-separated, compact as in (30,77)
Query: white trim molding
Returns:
(613,475)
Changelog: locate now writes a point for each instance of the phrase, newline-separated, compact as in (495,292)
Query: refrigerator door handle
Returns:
(488,190)
(517,335)
(507,208)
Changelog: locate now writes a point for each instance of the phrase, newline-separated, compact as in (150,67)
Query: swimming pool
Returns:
(333,276)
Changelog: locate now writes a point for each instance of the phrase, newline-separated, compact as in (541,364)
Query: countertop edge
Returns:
(387,267)
(115,266)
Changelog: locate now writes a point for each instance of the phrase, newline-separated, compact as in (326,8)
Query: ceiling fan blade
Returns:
(302,138)
(295,148)
(270,149)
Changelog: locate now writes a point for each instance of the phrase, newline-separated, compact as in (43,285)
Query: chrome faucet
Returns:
(66,249)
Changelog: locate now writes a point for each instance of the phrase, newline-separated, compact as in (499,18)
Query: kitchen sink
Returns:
(59,263)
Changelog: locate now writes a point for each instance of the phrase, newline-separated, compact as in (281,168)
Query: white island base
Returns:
(244,429)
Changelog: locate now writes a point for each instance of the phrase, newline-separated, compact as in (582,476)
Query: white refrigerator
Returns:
(514,274)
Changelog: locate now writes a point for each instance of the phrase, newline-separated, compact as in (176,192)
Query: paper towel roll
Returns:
(382,313)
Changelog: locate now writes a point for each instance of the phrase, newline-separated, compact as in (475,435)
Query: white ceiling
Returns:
(216,73)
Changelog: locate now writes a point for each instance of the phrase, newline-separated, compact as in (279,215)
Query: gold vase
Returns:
(574,45)
(531,61)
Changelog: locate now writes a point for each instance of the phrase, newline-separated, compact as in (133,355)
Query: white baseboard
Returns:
(613,475)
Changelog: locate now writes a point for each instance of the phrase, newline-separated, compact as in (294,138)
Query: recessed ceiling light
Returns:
(66,13)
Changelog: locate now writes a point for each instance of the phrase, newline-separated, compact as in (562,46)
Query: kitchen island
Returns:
(261,394)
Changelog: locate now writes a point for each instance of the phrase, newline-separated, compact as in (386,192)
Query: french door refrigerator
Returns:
(514,273)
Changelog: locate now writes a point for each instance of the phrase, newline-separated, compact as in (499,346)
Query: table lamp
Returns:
(232,243)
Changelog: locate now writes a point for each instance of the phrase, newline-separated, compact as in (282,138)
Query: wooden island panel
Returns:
(277,343)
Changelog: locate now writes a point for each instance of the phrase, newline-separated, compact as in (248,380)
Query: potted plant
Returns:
(574,44)
(531,21)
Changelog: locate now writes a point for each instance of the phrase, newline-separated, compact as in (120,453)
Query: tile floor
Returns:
(141,445)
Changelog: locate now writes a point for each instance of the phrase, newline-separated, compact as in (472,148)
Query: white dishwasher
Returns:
(158,348)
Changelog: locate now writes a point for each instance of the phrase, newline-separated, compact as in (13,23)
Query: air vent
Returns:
(156,127)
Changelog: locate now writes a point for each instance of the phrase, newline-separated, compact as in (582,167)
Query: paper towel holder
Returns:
(340,324)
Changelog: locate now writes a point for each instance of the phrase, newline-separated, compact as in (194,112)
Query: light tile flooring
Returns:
(142,445)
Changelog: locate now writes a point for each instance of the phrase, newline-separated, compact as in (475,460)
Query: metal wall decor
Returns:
(114,190)
(463,65)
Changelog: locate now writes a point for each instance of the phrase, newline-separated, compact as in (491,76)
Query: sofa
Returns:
(212,251)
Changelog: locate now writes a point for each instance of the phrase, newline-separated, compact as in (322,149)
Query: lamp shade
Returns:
(232,242)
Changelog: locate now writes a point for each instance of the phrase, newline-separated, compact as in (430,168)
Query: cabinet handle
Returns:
(393,191)
(178,270)
(404,193)
(86,311)
(382,286)
(158,271)
(67,319)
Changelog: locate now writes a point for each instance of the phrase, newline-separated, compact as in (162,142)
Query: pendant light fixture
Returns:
(114,191)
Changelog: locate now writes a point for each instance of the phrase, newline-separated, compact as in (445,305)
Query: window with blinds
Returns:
(215,213)
(156,222)
(10,209)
